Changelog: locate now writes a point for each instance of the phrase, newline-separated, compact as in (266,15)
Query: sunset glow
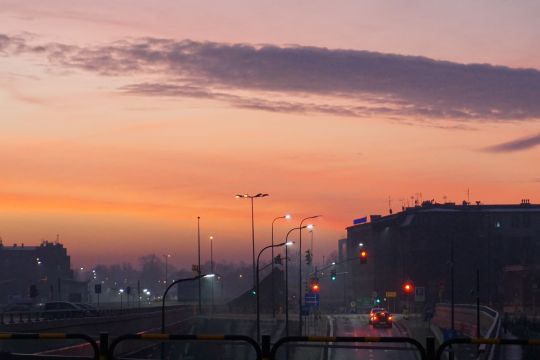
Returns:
(120,124)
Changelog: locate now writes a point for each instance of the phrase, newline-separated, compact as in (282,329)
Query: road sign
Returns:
(420,294)
(391,294)
(312,299)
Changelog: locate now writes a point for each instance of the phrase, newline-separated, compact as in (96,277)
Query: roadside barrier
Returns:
(348,339)
(173,337)
(52,336)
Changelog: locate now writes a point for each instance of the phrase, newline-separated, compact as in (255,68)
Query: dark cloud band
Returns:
(372,84)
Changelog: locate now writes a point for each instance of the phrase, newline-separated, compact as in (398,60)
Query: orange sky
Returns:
(116,133)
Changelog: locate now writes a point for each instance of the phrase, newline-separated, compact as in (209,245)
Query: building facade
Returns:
(44,268)
(423,244)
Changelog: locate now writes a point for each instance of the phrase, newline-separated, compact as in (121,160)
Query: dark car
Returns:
(372,313)
(381,318)
(89,309)
(62,310)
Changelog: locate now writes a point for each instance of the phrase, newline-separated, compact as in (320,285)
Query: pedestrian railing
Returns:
(179,337)
(53,336)
(348,339)
(261,352)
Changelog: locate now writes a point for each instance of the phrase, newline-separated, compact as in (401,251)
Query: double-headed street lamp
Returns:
(251,197)
(287,243)
(287,217)
(300,275)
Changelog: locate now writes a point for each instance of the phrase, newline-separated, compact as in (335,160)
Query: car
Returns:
(90,310)
(373,311)
(62,309)
(381,318)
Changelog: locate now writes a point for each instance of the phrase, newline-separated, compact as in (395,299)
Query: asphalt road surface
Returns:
(357,325)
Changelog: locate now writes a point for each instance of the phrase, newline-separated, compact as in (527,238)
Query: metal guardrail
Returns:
(481,341)
(348,339)
(172,337)
(52,336)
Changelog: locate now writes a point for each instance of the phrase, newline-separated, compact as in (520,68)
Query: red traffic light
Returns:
(408,287)
(315,288)
(363,257)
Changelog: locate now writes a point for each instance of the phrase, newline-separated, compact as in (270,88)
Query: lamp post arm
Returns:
(165,296)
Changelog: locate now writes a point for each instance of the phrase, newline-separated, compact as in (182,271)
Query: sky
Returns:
(121,122)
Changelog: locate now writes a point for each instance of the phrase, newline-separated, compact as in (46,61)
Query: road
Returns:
(357,325)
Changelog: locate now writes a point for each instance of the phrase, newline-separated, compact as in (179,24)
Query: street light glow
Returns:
(209,275)
(309,226)
(289,243)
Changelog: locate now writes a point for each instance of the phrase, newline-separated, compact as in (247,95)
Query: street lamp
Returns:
(212,267)
(198,277)
(251,197)
(300,274)
(287,278)
(199,261)
(287,243)
(287,217)
(166,267)
(121,291)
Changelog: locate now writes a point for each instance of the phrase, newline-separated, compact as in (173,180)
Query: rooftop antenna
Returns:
(468,196)
(390,205)
(58,238)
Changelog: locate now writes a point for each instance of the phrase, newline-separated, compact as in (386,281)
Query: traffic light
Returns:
(278,260)
(315,287)
(253,292)
(333,275)
(408,287)
(308,257)
(363,257)
(377,301)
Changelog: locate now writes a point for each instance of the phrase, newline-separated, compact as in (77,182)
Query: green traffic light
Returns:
(333,278)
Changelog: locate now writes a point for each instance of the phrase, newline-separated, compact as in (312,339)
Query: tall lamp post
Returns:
(212,267)
(199,262)
(300,275)
(251,197)
(287,279)
(288,243)
(287,217)
(166,267)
